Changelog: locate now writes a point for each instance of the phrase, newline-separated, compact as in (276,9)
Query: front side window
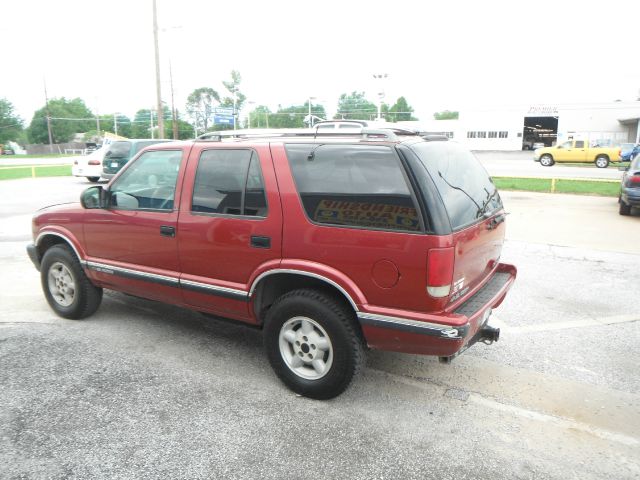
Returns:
(361,186)
(149,183)
(229,182)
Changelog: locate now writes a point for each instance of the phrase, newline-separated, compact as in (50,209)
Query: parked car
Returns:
(121,151)
(89,166)
(329,245)
(630,187)
(629,151)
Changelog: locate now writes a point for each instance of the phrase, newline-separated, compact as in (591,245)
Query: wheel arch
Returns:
(273,284)
(48,239)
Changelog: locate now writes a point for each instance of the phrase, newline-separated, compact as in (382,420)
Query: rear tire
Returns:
(93,179)
(602,161)
(66,287)
(623,208)
(313,343)
(546,160)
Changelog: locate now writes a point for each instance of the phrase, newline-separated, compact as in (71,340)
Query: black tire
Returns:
(623,208)
(546,160)
(66,287)
(93,179)
(602,161)
(330,320)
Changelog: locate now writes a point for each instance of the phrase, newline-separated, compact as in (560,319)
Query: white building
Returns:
(519,127)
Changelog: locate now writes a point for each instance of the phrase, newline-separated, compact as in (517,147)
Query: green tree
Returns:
(234,99)
(200,105)
(294,115)
(11,125)
(68,117)
(400,111)
(259,117)
(355,106)
(445,115)
(143,121)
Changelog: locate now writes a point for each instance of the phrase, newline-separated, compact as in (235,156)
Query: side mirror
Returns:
(93,198)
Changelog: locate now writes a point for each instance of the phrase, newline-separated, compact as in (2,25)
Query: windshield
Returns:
(465,187)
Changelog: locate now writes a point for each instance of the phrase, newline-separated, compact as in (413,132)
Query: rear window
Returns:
(465,187)
(119,149)
(362,186)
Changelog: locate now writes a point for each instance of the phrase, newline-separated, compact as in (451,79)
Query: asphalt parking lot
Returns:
(143,390)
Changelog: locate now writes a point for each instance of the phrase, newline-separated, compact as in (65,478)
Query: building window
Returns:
(482,134)
(504,134)
(519,134)
(493,134)
(449,134)
(471,134)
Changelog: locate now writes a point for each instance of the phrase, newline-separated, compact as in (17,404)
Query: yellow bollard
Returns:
(33,172)
(553,185)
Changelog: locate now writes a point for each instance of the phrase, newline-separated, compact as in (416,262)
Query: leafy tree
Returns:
(10,124)
(260,117)
(232,86)
(293,116)
(355,106)
(400,111)
(200,105)
(143,120)
(445,115)
(68,117)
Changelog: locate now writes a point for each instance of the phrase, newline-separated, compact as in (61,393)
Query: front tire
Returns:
(313,343)
(93,179)
(546,160)
(66,287)
(602,161)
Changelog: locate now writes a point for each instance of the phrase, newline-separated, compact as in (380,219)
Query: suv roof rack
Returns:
(390,134)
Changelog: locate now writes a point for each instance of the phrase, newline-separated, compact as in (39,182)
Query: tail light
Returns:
(634,181)
(94,162)
(440,271)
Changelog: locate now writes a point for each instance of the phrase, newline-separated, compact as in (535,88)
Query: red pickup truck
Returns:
(329,244)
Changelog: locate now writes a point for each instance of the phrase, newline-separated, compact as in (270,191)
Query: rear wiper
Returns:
(461,190)
(485,204)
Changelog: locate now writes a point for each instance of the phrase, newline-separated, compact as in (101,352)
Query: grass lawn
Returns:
(40,171)
(546,185)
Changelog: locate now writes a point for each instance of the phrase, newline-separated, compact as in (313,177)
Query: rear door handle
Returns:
(260,242)
(167,231)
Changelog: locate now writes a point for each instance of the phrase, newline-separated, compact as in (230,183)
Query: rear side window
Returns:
(229,182)
(465,187)
(361,186)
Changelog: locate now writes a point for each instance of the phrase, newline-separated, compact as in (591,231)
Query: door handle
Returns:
(260,242)
(167,231)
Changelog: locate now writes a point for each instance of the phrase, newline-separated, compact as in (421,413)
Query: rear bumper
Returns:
(631,196)
(450,333)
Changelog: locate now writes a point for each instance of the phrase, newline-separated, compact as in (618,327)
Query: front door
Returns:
(132,243)
(230,226)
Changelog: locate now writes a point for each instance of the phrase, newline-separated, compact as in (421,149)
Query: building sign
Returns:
(542,111)
(223,115)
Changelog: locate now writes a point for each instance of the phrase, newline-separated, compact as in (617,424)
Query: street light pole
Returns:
(381,77)
(157,55)
(310,117)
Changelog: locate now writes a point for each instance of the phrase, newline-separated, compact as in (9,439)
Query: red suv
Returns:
(329,244)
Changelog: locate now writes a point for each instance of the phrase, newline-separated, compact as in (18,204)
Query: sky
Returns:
(451,55)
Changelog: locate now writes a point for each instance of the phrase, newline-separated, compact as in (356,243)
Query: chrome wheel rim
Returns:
(545,161)
(306,348)
(601,162)
(62,286)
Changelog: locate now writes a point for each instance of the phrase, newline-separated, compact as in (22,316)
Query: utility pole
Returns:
(46,102)
(115,123)
(158,90)
(174,114)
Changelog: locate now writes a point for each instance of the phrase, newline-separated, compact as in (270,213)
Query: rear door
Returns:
(230,226)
